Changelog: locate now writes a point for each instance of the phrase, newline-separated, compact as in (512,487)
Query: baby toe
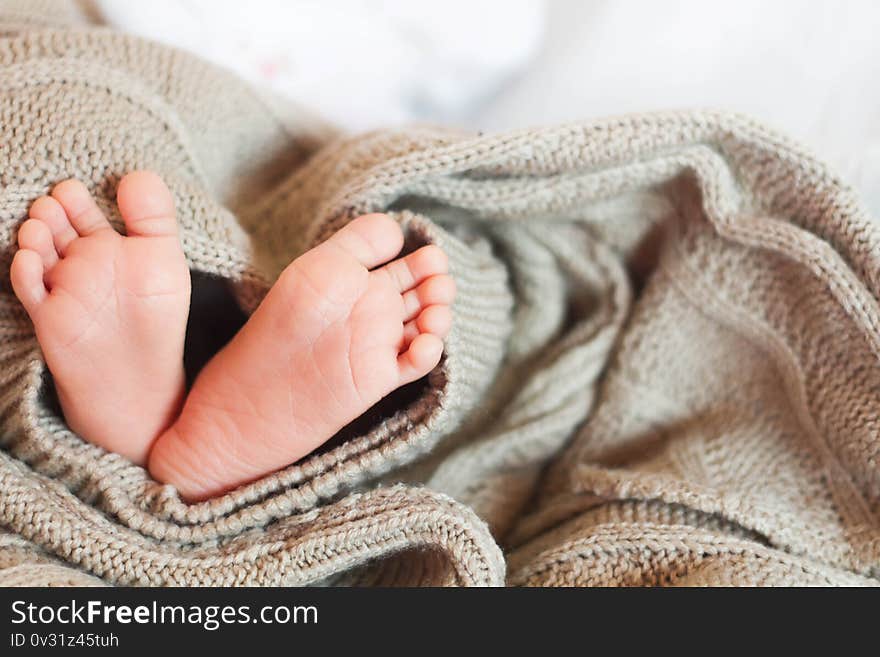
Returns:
(436,320)
(146,205)
(82,211)
(421,357)
(411,270)
(372,239)
(35,235)
(436,290)
(26,276)
(410,332)
(49,211)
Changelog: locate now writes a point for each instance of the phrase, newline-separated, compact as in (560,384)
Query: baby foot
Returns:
(335,334)
(109,310)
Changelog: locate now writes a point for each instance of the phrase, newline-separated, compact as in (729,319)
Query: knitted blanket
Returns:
(664,366)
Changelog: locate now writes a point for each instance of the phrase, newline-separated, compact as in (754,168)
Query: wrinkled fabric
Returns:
(663,370)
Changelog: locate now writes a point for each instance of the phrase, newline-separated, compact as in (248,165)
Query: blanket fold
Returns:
(664,366)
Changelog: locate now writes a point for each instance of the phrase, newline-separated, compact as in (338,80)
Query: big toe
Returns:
(372,239)
(146,205)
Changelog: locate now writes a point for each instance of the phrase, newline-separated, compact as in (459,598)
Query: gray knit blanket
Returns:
(664,367)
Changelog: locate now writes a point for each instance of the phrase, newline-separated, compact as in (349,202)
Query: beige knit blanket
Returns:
(664,368)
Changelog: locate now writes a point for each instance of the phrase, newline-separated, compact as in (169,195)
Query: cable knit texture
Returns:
(664,366)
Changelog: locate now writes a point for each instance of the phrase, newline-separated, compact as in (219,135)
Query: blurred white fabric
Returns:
(808,67)
(359,63)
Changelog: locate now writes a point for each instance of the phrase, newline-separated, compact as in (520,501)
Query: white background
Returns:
(809,68)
